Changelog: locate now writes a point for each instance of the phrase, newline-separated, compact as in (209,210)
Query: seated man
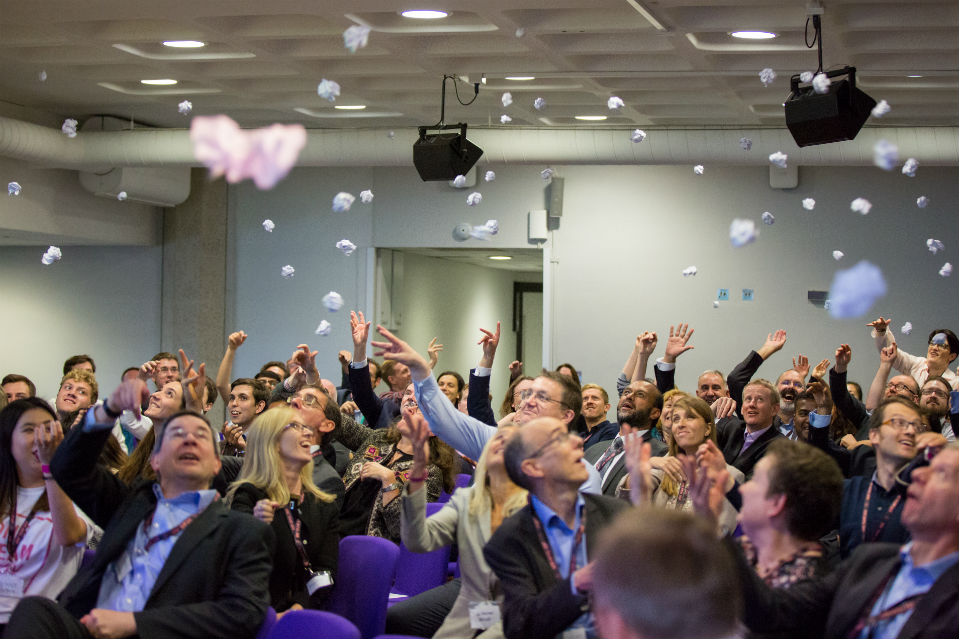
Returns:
(174,561)
(744,441)
(80,361)
(883,590)
(78,390)
(17,387)
(596,403)
(248,399)
(664,574)
(542,553)
(319,412)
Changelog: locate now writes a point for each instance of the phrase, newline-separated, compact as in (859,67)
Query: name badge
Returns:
(318,580)
(11,586)
(484,614)
(578,632)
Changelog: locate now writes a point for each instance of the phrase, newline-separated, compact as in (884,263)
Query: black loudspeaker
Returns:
(820,118)
(444,156)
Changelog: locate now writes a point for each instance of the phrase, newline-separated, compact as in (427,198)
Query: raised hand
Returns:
(889,353)
(359,331)
(306,359)
(842,356)
(670,466)
(706,487)
(773,343)
(264,510)
(880,325)
(129,396)
(516,369)
(235,339)
(488,343)
(147,369)
(646,343)
(396,349)
(723,407)
(233,434)
(433,352)
(415,428)
(193,382)
(821,369)
(677,342)
(636,457)
(48,436)
(801,364)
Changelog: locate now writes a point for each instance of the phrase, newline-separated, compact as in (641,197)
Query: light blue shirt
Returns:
(786,428)
(561,539)
(128,580)
(909,581)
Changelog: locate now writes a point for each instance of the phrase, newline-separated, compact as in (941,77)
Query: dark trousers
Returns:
(423,614)
(37,617)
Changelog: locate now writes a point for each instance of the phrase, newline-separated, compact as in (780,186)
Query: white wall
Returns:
(49,313)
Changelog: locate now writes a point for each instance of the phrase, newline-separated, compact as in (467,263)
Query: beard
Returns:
(787,406)
(637,418)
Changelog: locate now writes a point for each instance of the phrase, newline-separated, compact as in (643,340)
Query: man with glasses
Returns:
(322,416)
(174,561)
(935,402)
(542,554)
(942,348)
(550,396)
(637,411)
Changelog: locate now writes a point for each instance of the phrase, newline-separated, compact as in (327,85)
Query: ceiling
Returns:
(672,62)
(526,260)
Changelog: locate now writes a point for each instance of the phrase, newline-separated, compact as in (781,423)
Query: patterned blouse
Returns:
(808,562)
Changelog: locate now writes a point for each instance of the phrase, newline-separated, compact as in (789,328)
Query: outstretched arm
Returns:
(643,347)
(478,401)
(743,372)
(225,372)
(875,395)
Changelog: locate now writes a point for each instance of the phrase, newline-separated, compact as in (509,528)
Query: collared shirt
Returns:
(129,579)
(749,437)
(883,516)
(910,580)
(786,428)
(561,539)
(613,461)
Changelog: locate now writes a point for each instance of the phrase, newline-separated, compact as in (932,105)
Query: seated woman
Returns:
(469,518)
(692,426)
(276,486)
(451,384)
(379,470)
(663,428)
(511,399)
(43,533)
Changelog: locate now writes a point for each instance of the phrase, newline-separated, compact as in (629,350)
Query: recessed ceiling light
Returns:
(500,257)
(424,14)
(351,107)
(591,118)
(520,78)
(184,44)
(159,81)
(915,76)
(753,35)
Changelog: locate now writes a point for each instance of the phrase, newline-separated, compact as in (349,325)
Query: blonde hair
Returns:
(695,405)
(84,376)
(481,500)
(262,465)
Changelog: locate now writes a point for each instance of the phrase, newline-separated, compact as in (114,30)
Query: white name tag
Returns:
(484,614)
(11,586)
(579,632)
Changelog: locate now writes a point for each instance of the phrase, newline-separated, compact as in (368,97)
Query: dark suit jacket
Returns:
(478,400)
(214,582)
(320,529)
(379,413)
(730,436)
(327,479)
(831,606)
(536,603)
(595,452)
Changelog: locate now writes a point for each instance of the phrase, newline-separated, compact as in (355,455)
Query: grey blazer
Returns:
(453,523)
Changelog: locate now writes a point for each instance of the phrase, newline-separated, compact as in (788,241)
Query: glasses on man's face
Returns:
(180,433)
(639,394)
(308,400)
(559,438)
(899,386)
(922,459)
(298,426)
(540,396)
(939,393)
(792,383)
(902,425)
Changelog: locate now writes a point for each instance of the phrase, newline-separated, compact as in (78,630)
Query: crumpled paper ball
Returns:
(698,169)
(460,181)
(778,158)
(333,301)
(746,144)
(504,119)
(485,230)
(837,255)
(287,271)
(489,176)
(922,202)
(546,174)
(934,245)
(946,269)
(474,199)
(910,167)
(185,107)
(821,83)
(689,271)
(51,255)
(69,128)
(122,196)
(366,196)
(343,201)
(809,204)
(323,329)
(885,155)
(767,76)
(346,246)
(742,232)
(906,329)
(854,290)
(638,135)
(614,102)
(861,206)
(806,76)
(506,99)
(539,104)
(356,37)
(881,109)
(328,90)
(13,188)
(767,218)
(268,225)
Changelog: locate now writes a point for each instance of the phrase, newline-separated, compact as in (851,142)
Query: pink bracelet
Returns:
(45,469)
(420,479)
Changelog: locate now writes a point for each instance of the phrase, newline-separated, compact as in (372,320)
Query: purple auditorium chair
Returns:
(463,480)
(309,623)
(419,572)
(268,621)
(366,569)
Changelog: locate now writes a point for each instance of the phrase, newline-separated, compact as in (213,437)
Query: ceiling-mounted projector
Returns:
(444,156)
(820,118)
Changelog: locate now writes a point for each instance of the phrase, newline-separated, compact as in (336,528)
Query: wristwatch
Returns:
(392,487)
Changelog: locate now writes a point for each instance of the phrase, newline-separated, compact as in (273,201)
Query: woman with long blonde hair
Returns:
(469,518)
(276,486)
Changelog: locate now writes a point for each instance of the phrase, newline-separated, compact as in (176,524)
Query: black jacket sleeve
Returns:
(665,378)
(478,399)
(371,406)
(741,375)
(848,406)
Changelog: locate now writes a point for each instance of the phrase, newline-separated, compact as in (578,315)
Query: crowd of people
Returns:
(791,504)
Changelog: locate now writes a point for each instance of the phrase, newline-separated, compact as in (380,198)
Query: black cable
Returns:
(817,39)
(476,92)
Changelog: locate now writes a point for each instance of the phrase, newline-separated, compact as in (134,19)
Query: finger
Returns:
(498,330)
(690,334)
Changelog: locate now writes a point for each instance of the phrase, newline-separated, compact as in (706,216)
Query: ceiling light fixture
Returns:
(351,107)
(424,14)
(753,35)
(915,76)
(159,82)
(591,118)
(184,44)
(499,257)
(520,78)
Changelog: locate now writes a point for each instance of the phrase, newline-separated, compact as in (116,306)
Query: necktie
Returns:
(615,448)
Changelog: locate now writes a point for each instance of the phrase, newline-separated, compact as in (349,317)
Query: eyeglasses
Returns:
(308,399)
(633,393)
(899,386)
(179,433)
(540,396)
(409,404)
(560,437)
(901,425)
(922,459)
(792,383)
(934,392)
(302,428)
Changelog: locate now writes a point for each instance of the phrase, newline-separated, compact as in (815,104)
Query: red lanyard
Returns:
(172,532)
(295,530)
(14,536)
(546,545)
(883,523)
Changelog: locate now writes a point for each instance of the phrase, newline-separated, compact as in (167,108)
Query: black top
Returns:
(319,531)
(361,498)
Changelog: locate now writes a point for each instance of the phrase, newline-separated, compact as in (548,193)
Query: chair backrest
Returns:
(367,566)
(268,621)
(419,572)
(463,480)
(309,623)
